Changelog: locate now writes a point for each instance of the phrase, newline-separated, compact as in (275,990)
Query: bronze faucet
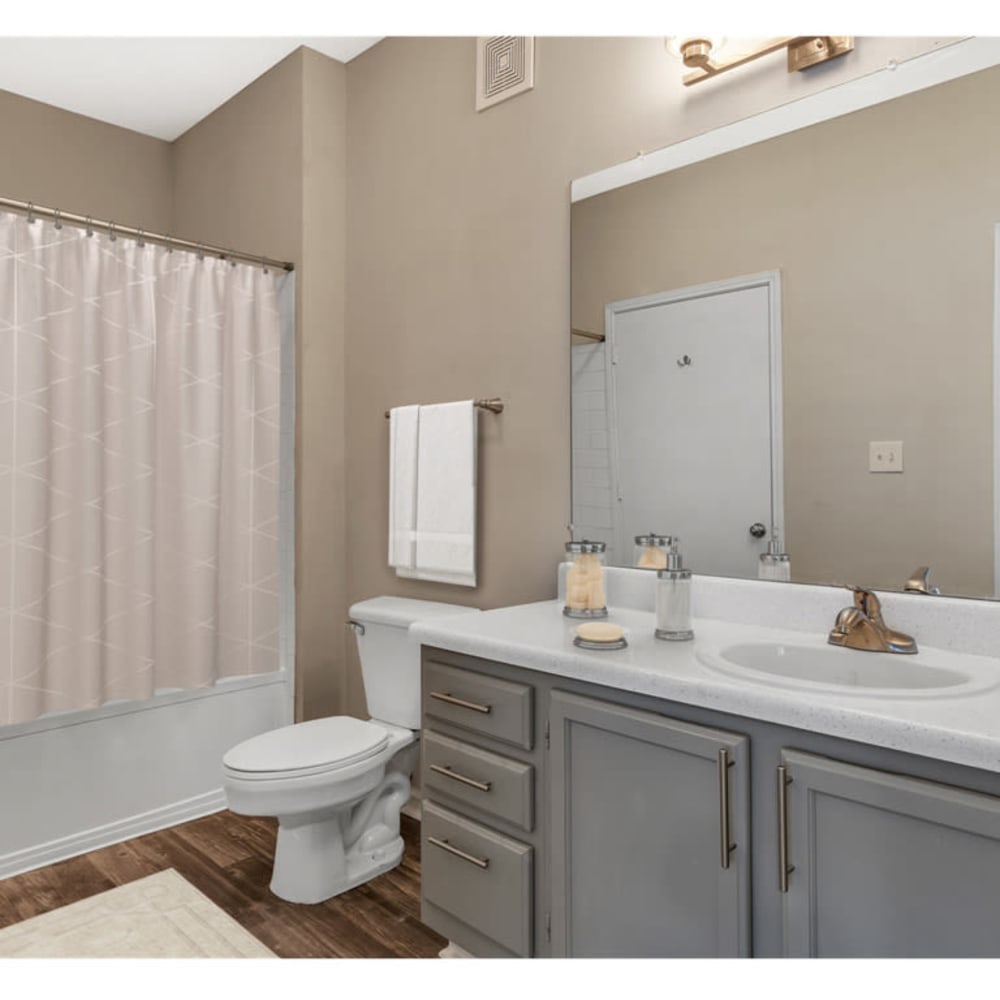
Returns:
(861,627)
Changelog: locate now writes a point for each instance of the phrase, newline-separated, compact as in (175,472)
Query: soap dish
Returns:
(600,635)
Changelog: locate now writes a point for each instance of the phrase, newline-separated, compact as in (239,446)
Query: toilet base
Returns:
(322,854)
(302,876)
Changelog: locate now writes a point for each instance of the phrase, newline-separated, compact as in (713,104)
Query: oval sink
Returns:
(841,669)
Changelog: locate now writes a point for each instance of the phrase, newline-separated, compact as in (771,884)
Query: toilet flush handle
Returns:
(356,627)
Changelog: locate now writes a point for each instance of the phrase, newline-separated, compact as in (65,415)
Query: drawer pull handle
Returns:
(726,847)
(471,858)
(461,703)
(483,786)
(784,868)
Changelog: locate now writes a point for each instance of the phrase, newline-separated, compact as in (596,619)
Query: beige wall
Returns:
(237,174)
(881,224)
(265,173)
(322,557)
(459,263)
(80,165)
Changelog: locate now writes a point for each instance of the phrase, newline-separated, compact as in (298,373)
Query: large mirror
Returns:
(797,336)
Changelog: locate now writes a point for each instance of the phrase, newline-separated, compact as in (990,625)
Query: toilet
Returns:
(337,785)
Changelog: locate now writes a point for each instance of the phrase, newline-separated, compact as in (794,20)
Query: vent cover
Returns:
(505,66)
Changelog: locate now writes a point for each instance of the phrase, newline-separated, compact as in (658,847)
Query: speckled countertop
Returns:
(960,724)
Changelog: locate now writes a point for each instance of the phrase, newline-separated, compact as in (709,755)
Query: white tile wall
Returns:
(593,493)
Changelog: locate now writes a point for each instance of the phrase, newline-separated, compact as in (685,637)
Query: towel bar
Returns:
(494,405)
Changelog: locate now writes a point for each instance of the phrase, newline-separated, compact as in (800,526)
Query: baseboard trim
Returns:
(112,833)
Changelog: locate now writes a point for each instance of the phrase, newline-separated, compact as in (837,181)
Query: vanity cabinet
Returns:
(650,834)
(885,865)
(565,818)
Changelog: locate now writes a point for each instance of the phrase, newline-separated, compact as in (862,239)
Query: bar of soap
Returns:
(600,632)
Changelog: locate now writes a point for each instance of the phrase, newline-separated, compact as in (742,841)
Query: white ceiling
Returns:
(158,86)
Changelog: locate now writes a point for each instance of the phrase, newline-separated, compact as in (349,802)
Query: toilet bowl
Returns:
(337,785)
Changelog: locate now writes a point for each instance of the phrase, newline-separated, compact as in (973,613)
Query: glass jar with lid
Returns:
(650,551)
(585,596)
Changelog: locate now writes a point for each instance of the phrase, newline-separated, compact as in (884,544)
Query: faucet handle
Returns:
(865,600)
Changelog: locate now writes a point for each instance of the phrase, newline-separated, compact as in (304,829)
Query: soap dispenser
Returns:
(673,598)
(774,564)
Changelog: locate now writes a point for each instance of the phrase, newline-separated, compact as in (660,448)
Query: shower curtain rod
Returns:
(32,210)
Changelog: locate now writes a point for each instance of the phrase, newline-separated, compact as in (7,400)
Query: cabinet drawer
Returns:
(479,876)
(483,780)
(487,705)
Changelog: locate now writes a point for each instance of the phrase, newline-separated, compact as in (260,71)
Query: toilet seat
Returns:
(306,748)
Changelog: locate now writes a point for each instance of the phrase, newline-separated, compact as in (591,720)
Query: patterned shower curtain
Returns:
(139,435)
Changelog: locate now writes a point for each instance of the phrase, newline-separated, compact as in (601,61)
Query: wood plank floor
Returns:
(228,857)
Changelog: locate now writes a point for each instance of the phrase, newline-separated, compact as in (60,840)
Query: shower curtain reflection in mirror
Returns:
(139,443)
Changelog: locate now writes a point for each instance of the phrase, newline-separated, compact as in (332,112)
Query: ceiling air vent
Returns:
(505,66)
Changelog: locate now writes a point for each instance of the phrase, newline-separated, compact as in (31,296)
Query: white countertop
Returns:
(958,727)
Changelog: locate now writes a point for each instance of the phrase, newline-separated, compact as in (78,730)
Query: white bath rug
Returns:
(160,916)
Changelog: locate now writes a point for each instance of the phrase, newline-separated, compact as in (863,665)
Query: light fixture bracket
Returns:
(803,52)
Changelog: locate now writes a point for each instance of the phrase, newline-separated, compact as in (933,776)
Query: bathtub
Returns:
(76,781)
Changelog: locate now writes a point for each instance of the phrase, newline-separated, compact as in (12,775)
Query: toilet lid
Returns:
(307,747)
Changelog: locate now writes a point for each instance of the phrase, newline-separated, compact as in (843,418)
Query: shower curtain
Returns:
(139,437)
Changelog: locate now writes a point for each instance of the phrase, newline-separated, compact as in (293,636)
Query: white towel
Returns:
(445,530)
(403,425)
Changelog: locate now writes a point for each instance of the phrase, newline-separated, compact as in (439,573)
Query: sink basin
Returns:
(845,670)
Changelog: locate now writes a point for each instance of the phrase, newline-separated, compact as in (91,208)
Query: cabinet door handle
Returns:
(483,786)
(461,702)
(451,849)
(784,868)
(725,847)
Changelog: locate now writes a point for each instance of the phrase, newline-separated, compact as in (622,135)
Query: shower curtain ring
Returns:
(31,213)
(89,226)
(169,241)
(139,240)
(201,251)
(263,264)
(111,232)
(58,221)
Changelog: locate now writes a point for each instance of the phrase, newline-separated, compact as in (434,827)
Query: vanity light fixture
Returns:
(703,56)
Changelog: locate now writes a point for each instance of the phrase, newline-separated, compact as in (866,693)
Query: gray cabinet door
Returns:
(640,806)
(886,866)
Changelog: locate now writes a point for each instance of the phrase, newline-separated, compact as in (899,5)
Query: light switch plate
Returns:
(885,456)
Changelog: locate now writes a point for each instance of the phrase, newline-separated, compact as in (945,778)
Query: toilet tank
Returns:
(390,659)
